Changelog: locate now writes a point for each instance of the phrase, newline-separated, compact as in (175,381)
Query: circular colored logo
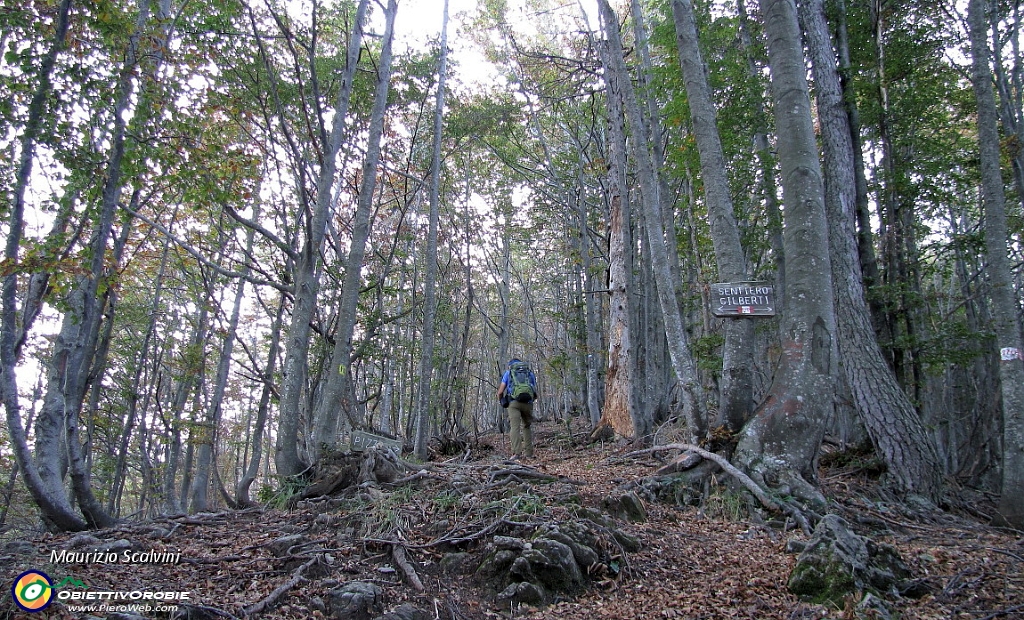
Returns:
(32,590)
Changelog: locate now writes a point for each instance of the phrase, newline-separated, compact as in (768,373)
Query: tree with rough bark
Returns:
(695,407)
(895,427)
(619,410)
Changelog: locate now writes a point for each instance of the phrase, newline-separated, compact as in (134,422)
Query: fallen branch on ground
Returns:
(280,591)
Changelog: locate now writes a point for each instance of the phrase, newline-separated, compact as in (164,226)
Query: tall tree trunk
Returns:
(75,347)
(338,388)
(505,293)
(764,153)
(780,445)
(1010,92)
(892,422)
(307,277)
(591,316)
(1010,511)
(618,410)
(51,499)
(422,410)
(865,235)
(678,340)
(191,372)
(899,247)
(737,364)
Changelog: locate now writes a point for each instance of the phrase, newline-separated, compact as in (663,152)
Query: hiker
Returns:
(517,392)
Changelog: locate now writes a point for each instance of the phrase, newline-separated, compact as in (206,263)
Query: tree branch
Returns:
(288,290)
(280,591)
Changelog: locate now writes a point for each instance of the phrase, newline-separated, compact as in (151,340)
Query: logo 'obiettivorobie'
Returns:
(32,590)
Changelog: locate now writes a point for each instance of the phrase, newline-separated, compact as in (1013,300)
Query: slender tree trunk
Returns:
(210,427)
(1010,511)
(736,399)
(307,278)
(51,499)
(890,418)
(117,483)
(678,340)
(505,292)
(259,428)
(1010,91)
(192,370)
(422,411)
(591,317)
(780,445)
(901,328)
(337,395)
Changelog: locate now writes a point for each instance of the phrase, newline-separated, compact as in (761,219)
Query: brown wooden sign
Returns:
(742,299)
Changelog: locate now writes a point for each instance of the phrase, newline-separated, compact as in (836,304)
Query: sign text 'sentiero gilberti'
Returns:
(742,299)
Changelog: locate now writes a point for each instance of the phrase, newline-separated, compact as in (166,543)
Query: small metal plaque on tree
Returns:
(742,299)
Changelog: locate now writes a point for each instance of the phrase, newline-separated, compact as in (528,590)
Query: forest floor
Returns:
(707,562)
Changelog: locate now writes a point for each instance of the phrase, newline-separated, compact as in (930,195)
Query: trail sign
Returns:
(361,440)
(742,299)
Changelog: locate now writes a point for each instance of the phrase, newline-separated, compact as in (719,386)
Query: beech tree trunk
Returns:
(422,410)
(51,499)
(307,276)
(121,464)
(736,398)
(338,388)
(210,428)
(259,428)
(1004,306)
(780,445)
(764,153)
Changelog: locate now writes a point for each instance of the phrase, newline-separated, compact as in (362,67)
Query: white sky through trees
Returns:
(419,21)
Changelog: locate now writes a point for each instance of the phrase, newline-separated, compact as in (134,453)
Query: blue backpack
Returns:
(520,383)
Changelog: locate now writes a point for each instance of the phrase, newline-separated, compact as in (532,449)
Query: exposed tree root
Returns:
(398,553)
(755,489)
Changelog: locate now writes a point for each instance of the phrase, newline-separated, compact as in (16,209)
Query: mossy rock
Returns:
(822,580)
(626,506)
(837,563)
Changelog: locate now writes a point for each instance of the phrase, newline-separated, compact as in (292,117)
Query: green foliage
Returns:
(725,503)
(707,352)
(278,497)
